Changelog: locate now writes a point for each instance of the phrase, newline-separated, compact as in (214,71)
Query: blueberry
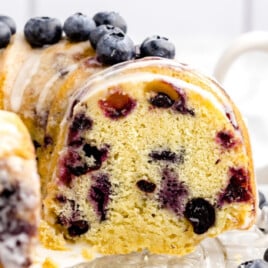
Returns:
(41,31)
(146,186)
(161,100)
(157,46)
(114,48)
(5,35)
(111,18)
(258,263)
(78,27)
(265,256)
(78,227)
(100,31)
(99,155)
(201,214)
(262,200)
(9,22)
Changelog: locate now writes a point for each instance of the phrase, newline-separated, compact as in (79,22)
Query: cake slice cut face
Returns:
(151,155)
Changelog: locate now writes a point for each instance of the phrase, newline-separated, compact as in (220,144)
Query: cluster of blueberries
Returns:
(7,29)
(258,263)
(106,32)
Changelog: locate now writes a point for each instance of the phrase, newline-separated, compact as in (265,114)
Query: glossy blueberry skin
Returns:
(96,34)
(157,46)
(262,200)
(5,35)
(254,264)
(9,22)
(201,214)
(111,18)
(114,48)
(265,256)
(78,27)
(40,31)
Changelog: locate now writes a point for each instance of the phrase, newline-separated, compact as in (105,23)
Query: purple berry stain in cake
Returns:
(167,156)
(173,193)
(98,155)
(79,124)
(238,188)
(181,104)
(79,161)
(226,139)
(164,155)
(200,213)
(74,223)
(117,105)
(146,186)
(99,194)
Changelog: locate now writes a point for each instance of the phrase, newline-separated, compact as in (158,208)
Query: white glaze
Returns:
(28,70)
(122,72)
(45,90)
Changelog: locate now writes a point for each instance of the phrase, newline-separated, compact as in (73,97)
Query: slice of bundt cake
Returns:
(151,154)
(30,87)
(19,193)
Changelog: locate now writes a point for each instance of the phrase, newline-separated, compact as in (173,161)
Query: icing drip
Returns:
(28,70)
(45,90)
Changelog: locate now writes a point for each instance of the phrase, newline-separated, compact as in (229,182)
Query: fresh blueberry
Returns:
(41,31)
(78,27)
(9,22)
(254,264)
(5,35)
(157,46)
(262,200)
(114,48)
(100,31)
(111,18)
(201,214)
(265,256)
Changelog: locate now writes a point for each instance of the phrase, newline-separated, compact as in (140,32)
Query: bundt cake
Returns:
(149,153)
(19,193)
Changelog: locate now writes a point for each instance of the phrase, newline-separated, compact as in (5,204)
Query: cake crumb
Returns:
(49,238)
(48,263)
(87,254)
